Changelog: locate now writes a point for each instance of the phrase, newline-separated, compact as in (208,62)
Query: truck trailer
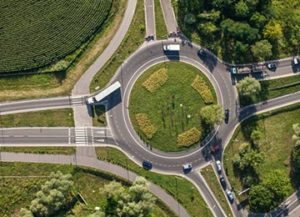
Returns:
(104,93)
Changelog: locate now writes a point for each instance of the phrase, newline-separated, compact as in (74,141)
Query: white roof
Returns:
(104,93)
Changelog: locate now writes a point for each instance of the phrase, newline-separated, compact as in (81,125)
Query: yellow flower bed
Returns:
(156,80)
(203,89)
(145,125)
(188,137)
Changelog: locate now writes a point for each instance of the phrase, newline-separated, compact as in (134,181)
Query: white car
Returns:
(218,166)
(187,167)
(229,195)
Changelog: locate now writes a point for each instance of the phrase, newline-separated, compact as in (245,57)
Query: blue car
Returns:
(147,165)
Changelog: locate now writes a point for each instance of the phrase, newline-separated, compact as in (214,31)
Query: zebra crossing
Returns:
(81,136)
(77,101)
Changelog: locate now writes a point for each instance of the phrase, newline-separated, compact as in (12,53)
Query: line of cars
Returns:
(223,182)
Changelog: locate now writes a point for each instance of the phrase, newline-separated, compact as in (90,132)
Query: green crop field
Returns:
(35,34)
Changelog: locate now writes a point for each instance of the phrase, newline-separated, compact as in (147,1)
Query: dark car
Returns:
(271,66)
(201,53)
(147,165)
(222,181)
(187,167)
(226,115)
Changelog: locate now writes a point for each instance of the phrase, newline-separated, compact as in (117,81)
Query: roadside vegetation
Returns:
(99,118)
(161,29)
(170,118)
(47,118)
(20,183)
(214,184)
(242,31)
(133,39)
(270,89)
(261,156)
(61,82)
(181,189)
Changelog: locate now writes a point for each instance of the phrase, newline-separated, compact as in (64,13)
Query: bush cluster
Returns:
(203,89)
(145,125)
(189,137)
(156,80)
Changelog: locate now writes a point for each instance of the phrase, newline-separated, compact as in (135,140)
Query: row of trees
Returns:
(136,201)
(55,196)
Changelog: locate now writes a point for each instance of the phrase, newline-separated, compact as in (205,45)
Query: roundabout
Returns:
(172,108)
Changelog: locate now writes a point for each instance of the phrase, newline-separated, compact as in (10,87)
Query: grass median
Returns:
(271,89)
(181,189)
(161,29)
(133,39)
(20,181)
(214,184)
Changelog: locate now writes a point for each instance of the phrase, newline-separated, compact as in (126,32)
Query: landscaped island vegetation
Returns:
(167,103)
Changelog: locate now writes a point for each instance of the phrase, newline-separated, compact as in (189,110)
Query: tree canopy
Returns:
(249,86)
(212,114)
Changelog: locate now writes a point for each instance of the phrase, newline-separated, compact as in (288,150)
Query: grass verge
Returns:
(18,190)
(271,89)
(133,39)
(214,184)
(173,109)
(181,189)
(276,144)
(99,118)
(61,83)
(161,29)
(47,118)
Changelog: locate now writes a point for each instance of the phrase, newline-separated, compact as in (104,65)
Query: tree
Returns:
(249,86)
(262,50)
(256,136)
(271,192)
(260,199)
(296,136)
(241,9)
(212,114)
(137,201)
(273,30)
(25,213)
(278,183)
(53,195)
(207,28)
(258,20)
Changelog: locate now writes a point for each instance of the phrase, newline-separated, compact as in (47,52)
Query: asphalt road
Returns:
(169,16)
(150,17)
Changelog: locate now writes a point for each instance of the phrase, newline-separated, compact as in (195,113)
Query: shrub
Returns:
(145,125)
(203,89)
(156,80)
(189,137)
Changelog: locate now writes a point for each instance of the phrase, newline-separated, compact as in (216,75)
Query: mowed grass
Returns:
(99,119)
(133,39)
(161,29)
(214,184)
(277,140)
(47,118)
(61,83)
(166,100)
(18,190)
(181,189)
(274,88)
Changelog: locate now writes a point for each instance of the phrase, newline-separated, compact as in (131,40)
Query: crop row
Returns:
(37,33)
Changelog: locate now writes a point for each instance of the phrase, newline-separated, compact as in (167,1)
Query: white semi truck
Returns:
(104,93)
(172,47)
